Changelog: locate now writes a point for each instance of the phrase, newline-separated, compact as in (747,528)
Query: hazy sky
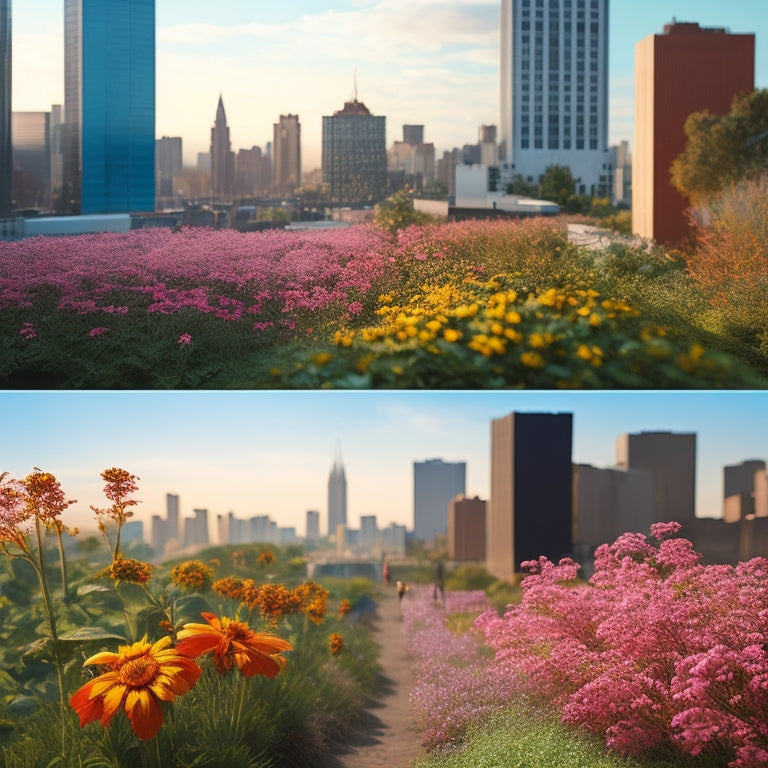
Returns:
(258,453)
(431,62)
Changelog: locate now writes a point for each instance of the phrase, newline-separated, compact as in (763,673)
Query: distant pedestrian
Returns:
(439,581)
(385,573)
(402,588)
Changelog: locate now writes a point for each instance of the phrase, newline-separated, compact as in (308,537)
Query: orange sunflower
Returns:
(234,642)
(140,677)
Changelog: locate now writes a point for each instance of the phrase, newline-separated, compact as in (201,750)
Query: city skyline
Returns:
(268,453)
(415,61)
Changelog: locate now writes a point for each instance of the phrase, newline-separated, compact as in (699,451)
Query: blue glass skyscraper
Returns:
(109,105)
(6,158)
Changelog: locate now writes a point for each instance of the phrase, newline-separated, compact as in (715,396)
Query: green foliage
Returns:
(722,149)
(557,184)
(468,577)
(397,212)
(528,737)
(519,186)
(274,214)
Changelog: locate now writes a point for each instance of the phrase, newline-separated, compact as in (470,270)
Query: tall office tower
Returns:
(286,155)
(222,156)
(671,460)
(466,528)
(172,518)
(529,512)
(168,164)
(313,525)
(684,70)
(109,105)
(249,173)
(621,163)
(554,90)
(435,483)
(413,134)
(32,159)
(56,131)
(337,496)
(355,154)
(369,534)
(6,152)
(741,495)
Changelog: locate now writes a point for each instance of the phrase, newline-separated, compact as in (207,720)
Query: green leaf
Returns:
(89,634)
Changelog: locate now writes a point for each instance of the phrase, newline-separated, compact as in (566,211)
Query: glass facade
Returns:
(32,159)
(110,104)
(6,155)
(355,157)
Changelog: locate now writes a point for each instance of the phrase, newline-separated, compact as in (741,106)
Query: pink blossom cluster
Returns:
(225,273)
(656,650)
(455,684)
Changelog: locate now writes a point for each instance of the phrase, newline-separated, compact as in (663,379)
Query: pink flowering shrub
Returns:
(455,685)
(655,651)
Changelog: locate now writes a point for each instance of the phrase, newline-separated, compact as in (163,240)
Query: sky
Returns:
(430,62)
(270,453)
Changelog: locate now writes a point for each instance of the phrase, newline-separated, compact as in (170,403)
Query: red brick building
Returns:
(684,70)
(466,528)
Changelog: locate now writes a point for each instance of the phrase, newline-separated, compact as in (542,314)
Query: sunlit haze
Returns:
(429,62)
(270,453)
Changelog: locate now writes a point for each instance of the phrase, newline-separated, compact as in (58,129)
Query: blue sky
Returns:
(432,62)
(271,452)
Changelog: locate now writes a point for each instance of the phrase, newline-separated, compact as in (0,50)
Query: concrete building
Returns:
(685,69)
(411,162)
(392,540)
(671,460)
(250,172)
(222,156)
(168,166)
(337,496)
(286,156)
(313,525)
(109,105)
(466,529)
(354,155)
(32,160)
(529,512)
(743,497)
(196,529)
(435,483)
(369,534)
(621,163)
(6,152)
(554,91)
(608,503)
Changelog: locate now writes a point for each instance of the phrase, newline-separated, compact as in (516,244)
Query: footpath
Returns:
(384,739)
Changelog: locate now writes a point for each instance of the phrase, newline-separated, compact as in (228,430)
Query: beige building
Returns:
(286,155)
(466,528)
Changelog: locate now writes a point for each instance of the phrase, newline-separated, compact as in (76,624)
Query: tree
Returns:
(722,149)
(519,186)
(557,184)
(397,212)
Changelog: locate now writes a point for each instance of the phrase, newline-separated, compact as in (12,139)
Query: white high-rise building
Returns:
(337,496)
(554,91)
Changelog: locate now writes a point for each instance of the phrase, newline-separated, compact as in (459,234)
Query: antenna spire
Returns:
(355,82)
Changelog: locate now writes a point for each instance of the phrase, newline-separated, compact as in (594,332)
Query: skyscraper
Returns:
(684,70)
(529,512)
(337,496)
(222,156)
(32,159)
(286,151)
(109,105)
(355,154)
(554,90)
(6,153)
(435,483)
(671,460)
(168,163)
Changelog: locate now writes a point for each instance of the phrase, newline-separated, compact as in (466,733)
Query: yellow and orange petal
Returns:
(234,643)
(131,570)
(336,644)
(140,676)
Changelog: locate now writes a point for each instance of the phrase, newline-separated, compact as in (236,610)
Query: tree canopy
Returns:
(722,149)
(557,184)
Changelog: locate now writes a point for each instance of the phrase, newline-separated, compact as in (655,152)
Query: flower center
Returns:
(138,672)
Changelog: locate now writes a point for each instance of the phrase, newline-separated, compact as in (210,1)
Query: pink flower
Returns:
(98,331)
(355,308)
(27,331)
(185,339)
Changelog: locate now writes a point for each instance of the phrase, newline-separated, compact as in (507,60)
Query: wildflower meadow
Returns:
(109,660)
(480,304)
(657,660)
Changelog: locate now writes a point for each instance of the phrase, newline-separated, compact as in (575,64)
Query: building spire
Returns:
(354,80)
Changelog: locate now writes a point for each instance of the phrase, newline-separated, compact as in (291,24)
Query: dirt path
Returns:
(384,738)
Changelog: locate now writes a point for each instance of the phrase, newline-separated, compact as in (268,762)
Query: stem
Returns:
(62,563)
(117,543)
(40,568)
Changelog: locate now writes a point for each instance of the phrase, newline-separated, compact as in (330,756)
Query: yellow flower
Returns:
(336,643)
(322,358)
(130,570)
(192,576)
(451,335)
(140,677)
(532,360)
(513,317)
